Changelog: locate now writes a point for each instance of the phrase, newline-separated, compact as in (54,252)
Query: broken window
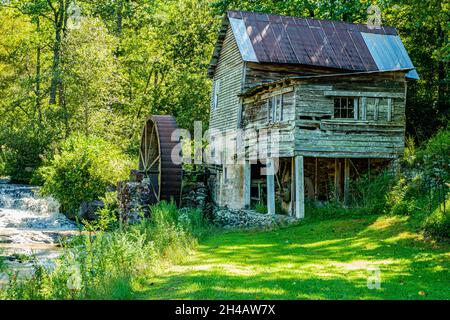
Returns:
(344,108)
(275,108)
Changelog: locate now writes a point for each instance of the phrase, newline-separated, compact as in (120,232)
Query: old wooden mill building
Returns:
(332,93)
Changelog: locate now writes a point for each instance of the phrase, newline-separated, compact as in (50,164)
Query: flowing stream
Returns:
(30,225)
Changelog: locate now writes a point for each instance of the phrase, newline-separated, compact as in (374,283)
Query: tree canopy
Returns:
(101,67)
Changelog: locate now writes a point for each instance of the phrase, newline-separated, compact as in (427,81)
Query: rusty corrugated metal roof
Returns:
(268,38)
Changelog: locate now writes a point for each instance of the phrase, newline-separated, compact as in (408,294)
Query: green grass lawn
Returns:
(312,260)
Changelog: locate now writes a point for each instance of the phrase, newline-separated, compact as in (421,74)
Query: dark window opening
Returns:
(344,108)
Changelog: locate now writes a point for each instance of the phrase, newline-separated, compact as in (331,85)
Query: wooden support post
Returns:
(221,186)
(292,187)
(346,181)
(337,179)
(299,188)
(316,180)
(390,110)
(377,109)
(364,108)
(270,186)
(247,183)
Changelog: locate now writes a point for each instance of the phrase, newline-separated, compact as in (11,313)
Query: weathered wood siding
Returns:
(256,74)
(376,135)
(229,71)
(258,124)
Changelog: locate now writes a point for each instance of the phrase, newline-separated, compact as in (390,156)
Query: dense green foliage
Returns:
(105,265)
(83,170)
(100,70)
(104,68)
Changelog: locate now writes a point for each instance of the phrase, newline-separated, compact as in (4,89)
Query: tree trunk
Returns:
(442,100)
(119,17)
(38,77)
(56,64)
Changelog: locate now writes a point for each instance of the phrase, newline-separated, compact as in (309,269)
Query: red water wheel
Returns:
(158,142)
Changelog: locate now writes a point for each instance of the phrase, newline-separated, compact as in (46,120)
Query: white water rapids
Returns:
(30,225)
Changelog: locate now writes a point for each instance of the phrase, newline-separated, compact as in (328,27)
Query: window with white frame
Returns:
(216,92)
(275,108)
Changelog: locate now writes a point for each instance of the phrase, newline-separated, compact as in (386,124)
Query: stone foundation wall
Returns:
(134,198)
(196,195)
(248,219)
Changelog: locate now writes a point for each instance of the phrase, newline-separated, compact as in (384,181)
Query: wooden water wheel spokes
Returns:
(155,158)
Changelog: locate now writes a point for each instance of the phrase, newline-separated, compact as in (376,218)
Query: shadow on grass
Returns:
(314,260)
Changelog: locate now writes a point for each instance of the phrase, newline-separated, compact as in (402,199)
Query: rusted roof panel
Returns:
(279,39)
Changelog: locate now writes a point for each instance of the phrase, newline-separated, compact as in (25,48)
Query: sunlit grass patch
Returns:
(314,260)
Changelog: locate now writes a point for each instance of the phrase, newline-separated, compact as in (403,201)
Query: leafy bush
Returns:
(370,192)
(22,154)
(438,223)
(107,218)
(260,208)
(83,171)
(2,263)
(2,164)
(434,157)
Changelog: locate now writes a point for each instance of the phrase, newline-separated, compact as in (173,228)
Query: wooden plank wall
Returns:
(230,71)
(319,135)
(256,123)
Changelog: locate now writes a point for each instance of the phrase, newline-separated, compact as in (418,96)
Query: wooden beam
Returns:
(377,109)
(356,109)
(299,188)
(316,180)
(270,174)
(363,108)
(338,93)
(247,183)
(292,187)
(390,110)
(337,178)
(346,181)
(220,195)
(277,92)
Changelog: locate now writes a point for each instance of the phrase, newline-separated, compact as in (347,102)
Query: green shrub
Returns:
(82,171)
(2,263)
(434,157)
(370,192)
(174,233)
(2,164)
(438,223)
(22,153)
(195,221)
(260,208)
(107,218)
